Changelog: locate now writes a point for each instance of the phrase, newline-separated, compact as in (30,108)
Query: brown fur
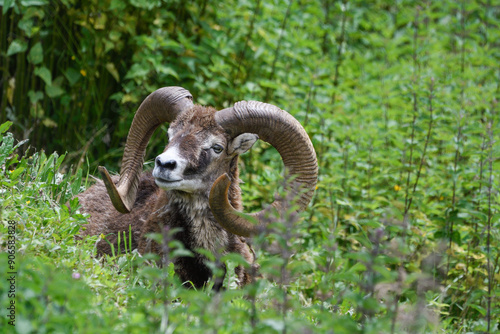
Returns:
(155,208)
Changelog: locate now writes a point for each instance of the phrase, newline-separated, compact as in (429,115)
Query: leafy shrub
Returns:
(400,101)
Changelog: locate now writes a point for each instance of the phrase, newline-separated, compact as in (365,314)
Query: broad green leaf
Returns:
(168,71)
(72,75)
(28,28)
(6,148)
(30,3)
(22,142)
(49,123)
(456,238)
(12,160)
(55,89)
(59,161)
(35,96)
(117,5)
(15,174)
(6,5)
(269,84)
(146,4)
(77,182)
(17,46)
(112,69)
(5,126)
(276,324)
(343,202)
(44,73)
(35,56)
(137,71)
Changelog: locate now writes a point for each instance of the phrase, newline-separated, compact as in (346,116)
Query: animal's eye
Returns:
(217,148)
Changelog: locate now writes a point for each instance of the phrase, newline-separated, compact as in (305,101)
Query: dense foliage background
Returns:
(400,99)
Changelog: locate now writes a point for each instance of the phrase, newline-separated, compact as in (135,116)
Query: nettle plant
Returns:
(401,104)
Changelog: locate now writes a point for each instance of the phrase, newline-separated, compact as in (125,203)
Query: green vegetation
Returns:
(400,99)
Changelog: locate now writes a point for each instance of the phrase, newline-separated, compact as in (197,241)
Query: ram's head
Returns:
(204,145)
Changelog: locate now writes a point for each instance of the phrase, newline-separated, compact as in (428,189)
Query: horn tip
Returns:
(220,187)
(113,193)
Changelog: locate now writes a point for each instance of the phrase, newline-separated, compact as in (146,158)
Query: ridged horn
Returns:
(283,132)
(163,105)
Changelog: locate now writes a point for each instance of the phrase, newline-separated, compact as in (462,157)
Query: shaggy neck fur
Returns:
(193,214)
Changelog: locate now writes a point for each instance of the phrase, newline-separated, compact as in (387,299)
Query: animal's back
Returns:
(104,219)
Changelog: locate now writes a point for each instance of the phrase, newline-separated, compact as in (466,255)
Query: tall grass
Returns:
(400,101)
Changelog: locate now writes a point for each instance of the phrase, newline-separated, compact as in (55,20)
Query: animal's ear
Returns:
(241,143)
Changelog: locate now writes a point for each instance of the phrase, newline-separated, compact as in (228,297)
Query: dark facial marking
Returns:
(200,166)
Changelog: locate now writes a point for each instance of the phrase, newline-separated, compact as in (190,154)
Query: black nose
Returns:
(170,165)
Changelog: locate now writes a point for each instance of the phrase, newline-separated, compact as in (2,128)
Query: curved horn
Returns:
(284,133)
(163,105)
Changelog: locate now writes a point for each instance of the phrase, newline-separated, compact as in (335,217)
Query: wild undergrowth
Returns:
(400,101)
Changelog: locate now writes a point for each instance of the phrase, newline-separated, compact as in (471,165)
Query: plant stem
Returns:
(488,237)
(285,292)
(415,113)
(241,55)
(165,261)
(310,94)
(341,41)
(278,48)
(427,139)
(324,44)
(459,130)
(5,77)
